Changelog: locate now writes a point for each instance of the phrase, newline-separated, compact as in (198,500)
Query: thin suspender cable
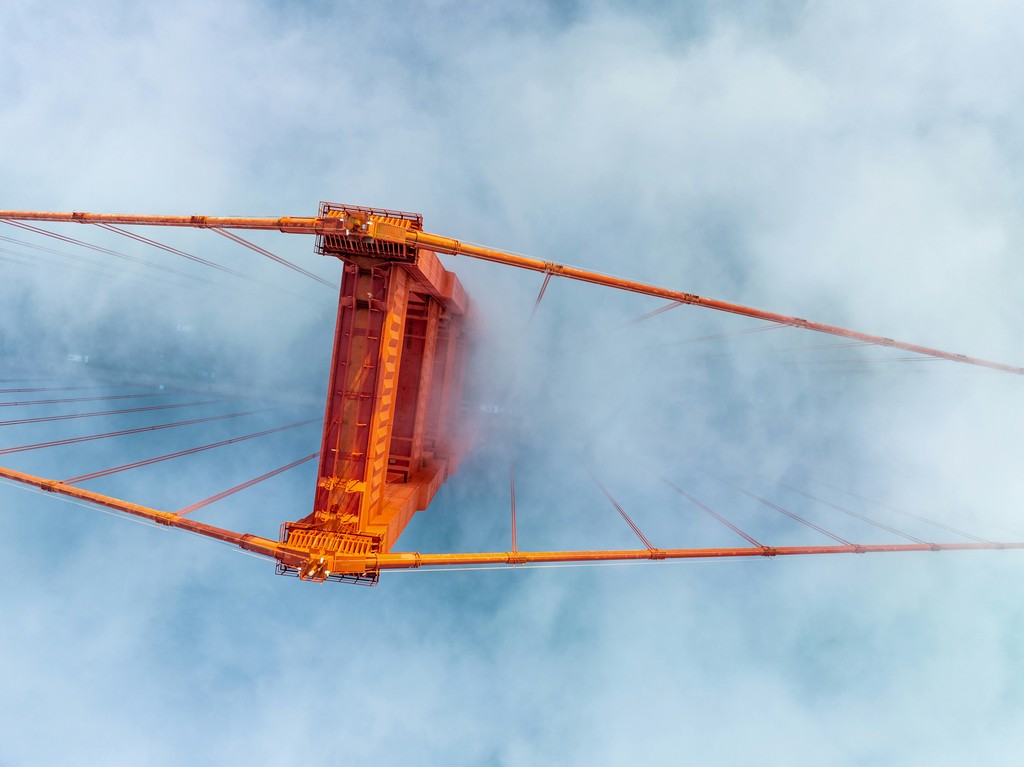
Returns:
(64,400)
(870,521)
(540,296)
(62,254)
(781,510)
(717,336)
(197,259)
(512,483)
(50,388)
(655,313)
(107,251)
(139,276)
(33,261)
(123,432)
(174,251)
(33,246)
(94,267)
(180,453)
(908,514)
(622,512)
(263,252)
(840,361)
(243,486)
(151,281)
(447,245)
(142,239)
(71,416)
(816,347)
(717,516)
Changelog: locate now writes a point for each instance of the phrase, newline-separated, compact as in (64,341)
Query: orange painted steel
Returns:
(391,433)
(294,225)
(366,225)
(389,438)
(252,543)
(402,561)
(356,566)
(455,248)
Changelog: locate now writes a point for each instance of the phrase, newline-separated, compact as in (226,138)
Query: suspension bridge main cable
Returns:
(457,248)
(454,247)
(379,230)
(412,560)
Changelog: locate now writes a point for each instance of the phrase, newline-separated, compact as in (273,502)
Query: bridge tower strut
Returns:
(390,434)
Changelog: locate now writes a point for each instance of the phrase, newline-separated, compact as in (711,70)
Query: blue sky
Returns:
(859,165)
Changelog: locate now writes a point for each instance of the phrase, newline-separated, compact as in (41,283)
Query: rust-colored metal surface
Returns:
(252,543)
(364,227)
(358,565)
(391,431)
(389,441)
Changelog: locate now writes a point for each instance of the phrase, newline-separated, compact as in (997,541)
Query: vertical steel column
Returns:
(360,401)
(378,446)
(427,384)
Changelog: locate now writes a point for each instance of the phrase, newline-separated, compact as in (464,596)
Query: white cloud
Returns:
(854,165)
